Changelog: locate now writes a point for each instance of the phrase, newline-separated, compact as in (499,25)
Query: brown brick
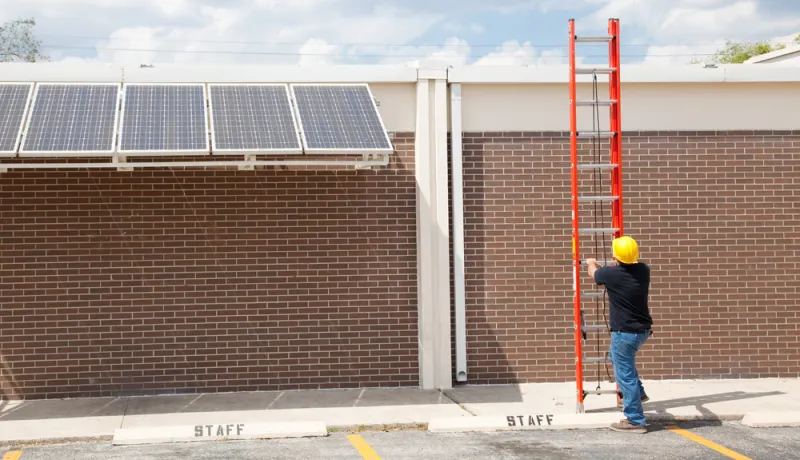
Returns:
(714,213)
(155,281)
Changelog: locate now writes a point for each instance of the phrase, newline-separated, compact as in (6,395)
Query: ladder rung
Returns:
(597,166)
(596,133)
(598,230)
(601,392)
(602,261)
(597,102)
(605,38)
(596,360)
(598,198)
(592,70)
(595,327)
(592,294)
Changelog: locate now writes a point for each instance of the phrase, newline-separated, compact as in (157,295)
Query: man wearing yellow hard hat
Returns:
(628,285)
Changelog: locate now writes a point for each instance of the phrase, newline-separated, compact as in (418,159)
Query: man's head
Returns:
(625,250)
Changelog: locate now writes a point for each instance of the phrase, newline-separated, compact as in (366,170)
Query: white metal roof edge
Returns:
(766,57)
(178,73)
(731,73)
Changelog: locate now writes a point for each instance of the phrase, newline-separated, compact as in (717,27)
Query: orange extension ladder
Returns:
(598,232)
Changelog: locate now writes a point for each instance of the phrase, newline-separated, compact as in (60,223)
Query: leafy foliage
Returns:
(737,53)
(18,43)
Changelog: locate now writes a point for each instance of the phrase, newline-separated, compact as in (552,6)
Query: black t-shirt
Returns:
(627,287)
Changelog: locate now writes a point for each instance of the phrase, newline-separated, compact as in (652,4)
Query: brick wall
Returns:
(156,281)
(717,218)
(144,282)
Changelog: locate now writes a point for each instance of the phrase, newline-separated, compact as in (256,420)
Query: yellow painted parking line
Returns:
(12,455)
(362,447)
(705,442)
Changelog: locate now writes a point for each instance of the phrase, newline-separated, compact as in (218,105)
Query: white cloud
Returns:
(679,31)
(512,52)
(457,51)
(313,32)
(319,52)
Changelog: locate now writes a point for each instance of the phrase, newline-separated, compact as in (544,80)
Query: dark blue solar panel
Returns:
(72,118)
(13,100)
(161,118)
(252,117)
(340,117)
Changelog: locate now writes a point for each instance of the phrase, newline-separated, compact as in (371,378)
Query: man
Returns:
(628,285)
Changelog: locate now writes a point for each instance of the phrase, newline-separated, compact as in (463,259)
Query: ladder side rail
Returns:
(615,119)
(576,268)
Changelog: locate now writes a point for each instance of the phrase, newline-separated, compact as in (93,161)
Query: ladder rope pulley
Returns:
(607,217)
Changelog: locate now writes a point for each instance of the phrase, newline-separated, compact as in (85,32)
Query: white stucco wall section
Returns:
(645,106)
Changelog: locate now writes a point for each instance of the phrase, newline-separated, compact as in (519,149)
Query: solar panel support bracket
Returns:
(369,157)
(122,159)
(249,166)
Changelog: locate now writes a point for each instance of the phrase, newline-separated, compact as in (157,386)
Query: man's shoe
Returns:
(624,426)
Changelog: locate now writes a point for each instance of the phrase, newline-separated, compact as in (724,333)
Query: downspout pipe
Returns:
(458,232)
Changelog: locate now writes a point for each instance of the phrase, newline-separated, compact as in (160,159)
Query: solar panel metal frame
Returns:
(70,153)
(205,151)
(22,122)
(297,151)
(328,151)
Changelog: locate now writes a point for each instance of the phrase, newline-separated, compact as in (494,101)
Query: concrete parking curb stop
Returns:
(789,419)
(218,432)
(532,421)
(529,421)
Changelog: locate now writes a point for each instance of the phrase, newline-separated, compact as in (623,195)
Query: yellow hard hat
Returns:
(625,250)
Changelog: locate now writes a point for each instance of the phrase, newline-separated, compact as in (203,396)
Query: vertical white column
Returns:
(425,312)
(433,235)
(444,367)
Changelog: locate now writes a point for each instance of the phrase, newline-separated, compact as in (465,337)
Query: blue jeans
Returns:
(624,346)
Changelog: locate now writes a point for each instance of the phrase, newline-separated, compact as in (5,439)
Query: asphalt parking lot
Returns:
(690,441)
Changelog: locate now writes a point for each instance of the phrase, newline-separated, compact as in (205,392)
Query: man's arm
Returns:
(593,266)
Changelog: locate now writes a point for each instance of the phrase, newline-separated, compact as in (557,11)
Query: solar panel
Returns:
(164,119)
(252,118)
(339,117)
(74,119)
(14,100)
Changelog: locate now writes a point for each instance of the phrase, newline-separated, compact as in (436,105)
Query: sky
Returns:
(402,32)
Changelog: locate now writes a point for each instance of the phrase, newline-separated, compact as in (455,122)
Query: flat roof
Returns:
(468,74)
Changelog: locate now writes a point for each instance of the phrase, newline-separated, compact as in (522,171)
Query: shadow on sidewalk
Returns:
(697,402)
(223,402)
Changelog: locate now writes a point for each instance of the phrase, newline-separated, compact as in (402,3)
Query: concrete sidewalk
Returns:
(767,402)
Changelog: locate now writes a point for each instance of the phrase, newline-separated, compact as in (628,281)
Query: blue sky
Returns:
(527,32)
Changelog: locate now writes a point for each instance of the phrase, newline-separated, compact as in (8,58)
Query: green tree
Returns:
(737,53)
(18,42)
